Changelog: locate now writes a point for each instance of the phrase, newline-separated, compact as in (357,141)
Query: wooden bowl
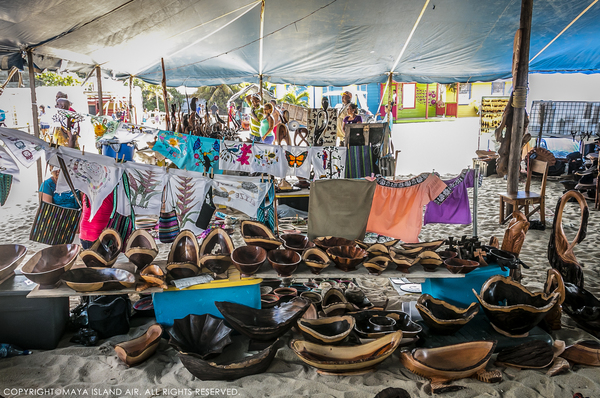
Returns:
(263,325)
(446,254)
(326,242)
(433,245)
(460,266)
(154,275)
(10,258)
(521,310)
(314,297)
(141,248)
(136,351)
(248,259)
(217,236)
(183,260)
(215,263)
(233,364)
(104,251)
(330,330)
(442,317)
(367,330)
(285,294)
(583,307)
(203,335)
(98,279)
(340,360)
(284,261)
(316,260)
(258,234)
(182,270)
(430,260)
(402,261)
(269,300)
(47,266)
(297,242)
(377,265)
(271,282)
(449,362)
(347,258)
(586,352)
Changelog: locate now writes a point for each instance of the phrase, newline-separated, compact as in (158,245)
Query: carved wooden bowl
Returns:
(586,352)
(297,242)
(271,282)
(377,265)
(430,260)
(284,261)
(141,248)
(154,275)
(314,297)
(248,259)
(433,245)
(203,335)
(98,279)
(378,249)
(215,263)
(258,234)
(446,254)
(136,351)
(442,317)
(269,300)
(104,251)
(326,242)
(285,294)
(263,324)
(10,258)
(316,260)
(450,362)
(511,308)
(217,236)
(460,266)
(367,330)
(583,307)
(183,260)
(331,330)
(347,258)
(47,266)
(340,360)
(402,261)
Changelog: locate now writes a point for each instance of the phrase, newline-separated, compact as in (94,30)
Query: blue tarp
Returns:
(308,42)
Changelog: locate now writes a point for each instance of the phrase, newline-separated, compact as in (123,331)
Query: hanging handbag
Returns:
(5,184)
(207,211)
(53,224)
(124,225)
(168,224)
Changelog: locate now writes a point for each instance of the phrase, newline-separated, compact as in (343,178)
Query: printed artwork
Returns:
(245,194)
(267,159)
(104,127)
(127,132)
(328,162)
(316,118)
(203,154)
(8,165)
(24,147)
(235,156)
(146,184)
(187,190)
(297,162)
(173,146)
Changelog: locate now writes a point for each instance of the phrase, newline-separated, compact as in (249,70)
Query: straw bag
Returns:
(124,225)
(168,225)
(53,224)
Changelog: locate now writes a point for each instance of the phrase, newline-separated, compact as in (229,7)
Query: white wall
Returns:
(563,87)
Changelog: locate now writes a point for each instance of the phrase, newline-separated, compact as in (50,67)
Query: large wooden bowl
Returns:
(450,362)
(136,351)
(217,236)
(183,260)
(48,265)
(248,259)
(340,360)
(331,330)
(442,317)
(269,300)
(583,307)
(215,263)
(326,242)
(98,279)
(586,352)
(377,265)
(284,261)
(347,258)
(433,245)
(366,329)
(511,308)
(104,251)
(10,258)
(258,234)
(430,260)
(297,242)
(403,262)
(141,248)
(264,325)
(203,335)
(316,260)
(460,266)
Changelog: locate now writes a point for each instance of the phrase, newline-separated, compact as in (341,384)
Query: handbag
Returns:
(168,224)
(207,211)
(109,315)
(5,184)
(53,224)
(124,225)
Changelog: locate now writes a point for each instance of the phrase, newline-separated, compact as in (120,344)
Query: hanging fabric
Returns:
(359,161)
(7,164)
(235,156)
(124,225)
(328,162)
(24,147)
(146,184)
(268,159)
(241,193)
(173,146)
(203,155)
(296,161)
(266,210)
(188,190)
(5,184)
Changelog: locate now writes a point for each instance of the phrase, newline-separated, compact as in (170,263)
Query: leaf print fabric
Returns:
(267,159)
(187,190)
(146,184)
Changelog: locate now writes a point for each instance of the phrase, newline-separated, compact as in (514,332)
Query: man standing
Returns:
(346,98)
(214,109)
(256,116)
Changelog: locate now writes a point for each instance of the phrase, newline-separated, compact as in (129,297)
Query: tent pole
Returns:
(260,50)
(130,101)
(99,80)
(34,109)
(165,99)
(260,83)
(427,101)
(519,97)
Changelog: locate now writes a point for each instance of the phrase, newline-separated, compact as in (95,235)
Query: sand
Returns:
(96,371)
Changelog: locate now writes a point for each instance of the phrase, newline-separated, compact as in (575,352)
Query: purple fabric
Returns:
(455,209)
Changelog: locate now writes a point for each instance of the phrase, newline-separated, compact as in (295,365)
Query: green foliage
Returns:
(153,94)
(219,94)
(291,98)
(54,79)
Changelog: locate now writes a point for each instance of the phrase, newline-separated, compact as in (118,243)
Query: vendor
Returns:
(68,132)
(353,116)
(256,116)
(48,192)
(346,98)
(267,135)
(89,231)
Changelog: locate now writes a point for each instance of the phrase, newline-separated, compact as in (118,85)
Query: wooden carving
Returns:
(554,283)
(560,251)
(514,236)
(504,151)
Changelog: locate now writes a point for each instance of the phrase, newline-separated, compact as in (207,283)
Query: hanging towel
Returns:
(359,162)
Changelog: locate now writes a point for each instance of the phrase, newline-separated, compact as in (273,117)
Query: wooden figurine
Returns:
(514,236)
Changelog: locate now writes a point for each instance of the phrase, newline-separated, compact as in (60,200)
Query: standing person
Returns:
(44,123)
(68,132)
(256,116)
(48,192)
(266,126)
(353,116)
(214,109)
(89,231)
(276,113)
(346,98)
(60,95)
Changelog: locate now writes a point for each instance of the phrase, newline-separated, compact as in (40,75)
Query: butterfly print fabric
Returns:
(296,161)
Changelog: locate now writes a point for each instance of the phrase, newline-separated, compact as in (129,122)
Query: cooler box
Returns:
(174,304)
(30,323)
(119,150)
(458,291)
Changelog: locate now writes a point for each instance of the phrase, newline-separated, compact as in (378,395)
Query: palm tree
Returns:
(219,94)
(296,99)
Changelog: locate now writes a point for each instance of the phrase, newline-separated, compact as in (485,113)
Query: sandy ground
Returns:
(97,371)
